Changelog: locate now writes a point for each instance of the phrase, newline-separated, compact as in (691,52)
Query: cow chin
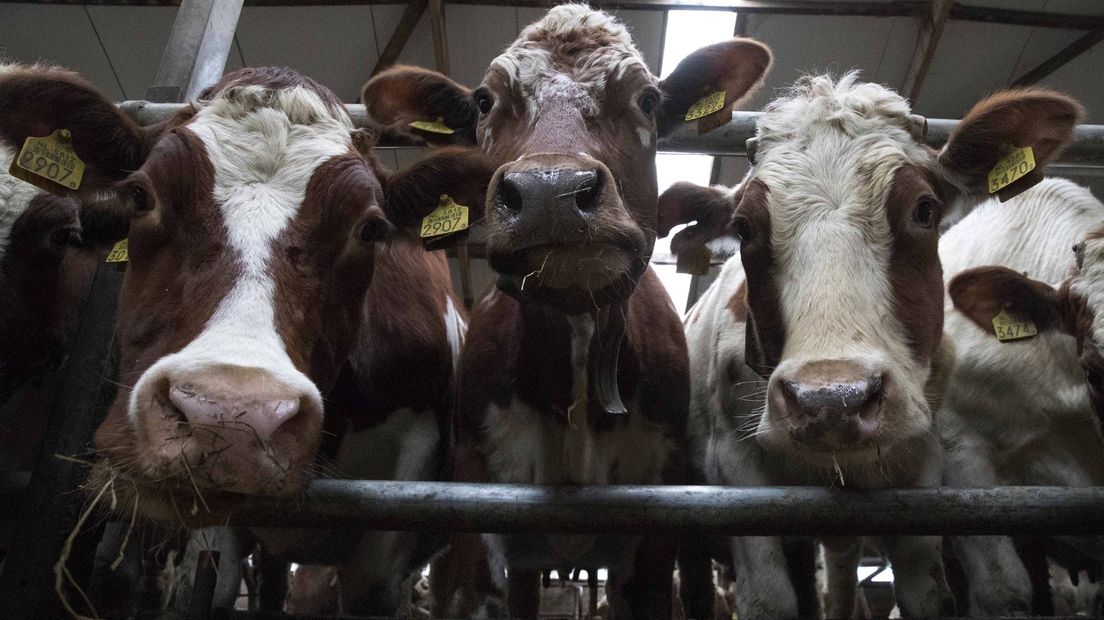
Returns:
(573,277)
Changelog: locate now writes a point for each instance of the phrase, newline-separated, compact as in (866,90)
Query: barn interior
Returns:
(943,55)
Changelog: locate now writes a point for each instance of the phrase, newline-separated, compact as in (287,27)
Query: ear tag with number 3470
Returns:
(50,163)
(1011,168)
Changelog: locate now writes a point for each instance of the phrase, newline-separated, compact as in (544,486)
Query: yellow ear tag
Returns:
(447,218)
(1009,327)
(1010,168)
(118,253)
(49,162)
(437,126)
(706,105)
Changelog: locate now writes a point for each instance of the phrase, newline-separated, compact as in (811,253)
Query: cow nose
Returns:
(532,189)
(253,414)
(833,398)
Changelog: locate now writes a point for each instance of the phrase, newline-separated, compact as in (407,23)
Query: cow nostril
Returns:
(589,186)
(509,194)
(873,401)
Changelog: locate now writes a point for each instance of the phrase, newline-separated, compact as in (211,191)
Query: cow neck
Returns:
(597,334)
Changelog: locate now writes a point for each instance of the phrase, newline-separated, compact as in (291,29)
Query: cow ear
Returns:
(999,125)
(461,173)
(423,104)
(982,293)
(710,208)
(711,81)
(35,101)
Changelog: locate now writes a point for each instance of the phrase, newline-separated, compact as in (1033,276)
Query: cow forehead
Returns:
(834,144)
(574,51)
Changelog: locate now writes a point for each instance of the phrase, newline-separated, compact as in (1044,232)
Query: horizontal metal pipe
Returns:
(1087,148)
(649,509)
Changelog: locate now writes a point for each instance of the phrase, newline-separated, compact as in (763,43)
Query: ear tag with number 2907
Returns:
(49,163)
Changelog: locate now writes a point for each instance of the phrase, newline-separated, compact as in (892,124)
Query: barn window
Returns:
(686,31)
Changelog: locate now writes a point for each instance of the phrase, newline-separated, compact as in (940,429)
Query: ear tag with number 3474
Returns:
(50,163)
(1007,326)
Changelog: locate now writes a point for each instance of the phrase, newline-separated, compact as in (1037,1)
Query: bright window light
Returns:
(689,30)
(686,32)
(885,576)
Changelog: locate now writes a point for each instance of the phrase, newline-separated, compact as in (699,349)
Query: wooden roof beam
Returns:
(403,30)
(926,45)
(1050,65)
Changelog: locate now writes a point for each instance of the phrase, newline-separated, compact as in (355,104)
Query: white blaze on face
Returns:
(455,328)
(264,147)
(828,155)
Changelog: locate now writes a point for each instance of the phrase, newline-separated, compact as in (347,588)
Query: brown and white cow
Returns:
(574,371)
(271,270)
(1023,412)
(818,355)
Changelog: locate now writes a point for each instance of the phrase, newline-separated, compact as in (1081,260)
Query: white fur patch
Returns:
(15,197)
(264,147)
(528,64)
(455,328)
(403,447)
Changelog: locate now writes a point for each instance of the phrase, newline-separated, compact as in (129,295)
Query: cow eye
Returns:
(484,102)
(648,102)
(374,229)
(924,214)
(743,229)
(140,198)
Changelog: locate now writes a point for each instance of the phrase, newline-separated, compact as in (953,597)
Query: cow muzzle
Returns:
(558,222)
(228,428)
(830,405)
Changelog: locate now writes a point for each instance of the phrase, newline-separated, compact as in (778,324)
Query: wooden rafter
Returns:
(1050,65)
(402,33)
(440,39)
(926,45)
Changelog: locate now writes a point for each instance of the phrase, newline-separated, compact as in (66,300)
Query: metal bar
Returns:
(1087,147)
(1052,64)
(926,45)
(462,507)
(403,30)
(53,498)
(195,55)
(1014,17)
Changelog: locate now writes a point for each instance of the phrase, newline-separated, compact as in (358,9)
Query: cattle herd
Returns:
(281,321)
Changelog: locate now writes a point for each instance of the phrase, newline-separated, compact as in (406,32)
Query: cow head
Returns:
(254,218)
(1071,308)
(570,114)
(838,222)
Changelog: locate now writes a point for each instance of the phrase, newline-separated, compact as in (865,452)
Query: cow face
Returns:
(253,222)
(1072,308)
(571,115)
(838,222)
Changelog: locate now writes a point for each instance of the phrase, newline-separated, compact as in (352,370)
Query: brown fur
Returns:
(765,332)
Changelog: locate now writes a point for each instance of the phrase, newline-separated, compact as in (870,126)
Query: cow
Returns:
(273,267)
(1023,412)
(818,355)
(574,368)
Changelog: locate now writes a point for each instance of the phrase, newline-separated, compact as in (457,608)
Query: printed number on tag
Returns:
(448,217)
(118,253)
(437,126)
(706,106)
(1010,327)
(50,158)
(1010,168)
